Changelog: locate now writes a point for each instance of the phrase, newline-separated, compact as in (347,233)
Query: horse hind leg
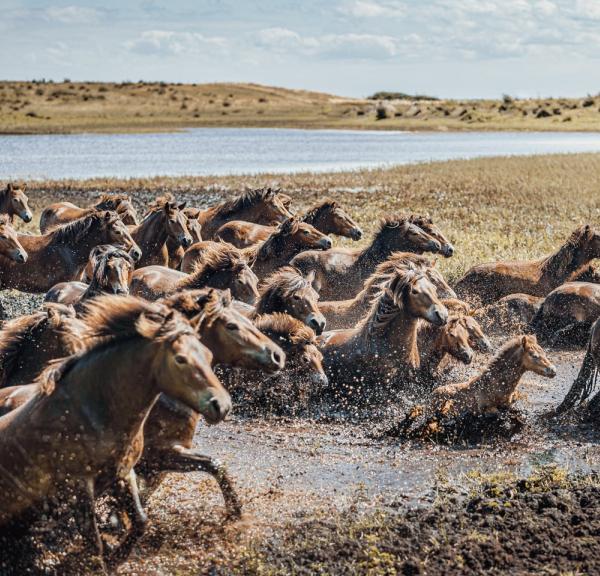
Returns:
(180,459)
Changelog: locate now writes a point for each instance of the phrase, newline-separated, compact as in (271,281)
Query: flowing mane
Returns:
(243,201)
(207,303)
(280,286)
(75,231)
(316,211)
(564,260)
(274,244)
(17,332)
(110,201)
(218,258)
(285,330)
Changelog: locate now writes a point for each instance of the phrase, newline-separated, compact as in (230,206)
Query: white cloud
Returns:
(371,9)
(71,14)
(171,42)
(588,9)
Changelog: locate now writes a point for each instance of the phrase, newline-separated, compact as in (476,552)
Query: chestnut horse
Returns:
(487,283)
(287,291)
(289,239)
(302,378)
(10,247)
(60,255)
(385,340)
(112,269)
(176,251)
(199,251)
(263,206)
(170,428)
(217,269)
(64,212)
(164,220)
(340,273)
(88,413)
(29,342)
(14,202)
(326,216)
(346,313)
(494,388)
(567,314)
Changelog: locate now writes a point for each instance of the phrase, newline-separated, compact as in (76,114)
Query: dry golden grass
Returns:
(35,107)
(498,208)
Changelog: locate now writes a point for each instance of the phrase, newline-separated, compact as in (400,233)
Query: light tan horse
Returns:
(28,343)
(11,249)
(263,206)
(199,252)
(385,340)
(327,216)
(487,283)
(340,273)
(346,313)
(61,255)
(14,202)
(164,220)
(176,251)
(80,433)
(290,238)
(64,212)
(495,387)
(217,269)
(112,269)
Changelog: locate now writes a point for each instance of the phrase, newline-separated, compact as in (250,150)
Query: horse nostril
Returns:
(276,358)
(216,406)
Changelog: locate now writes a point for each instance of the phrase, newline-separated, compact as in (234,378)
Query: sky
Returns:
(445,48)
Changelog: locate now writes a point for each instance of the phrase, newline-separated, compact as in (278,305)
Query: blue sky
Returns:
(452,48)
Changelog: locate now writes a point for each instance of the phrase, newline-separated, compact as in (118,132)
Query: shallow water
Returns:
(221,151)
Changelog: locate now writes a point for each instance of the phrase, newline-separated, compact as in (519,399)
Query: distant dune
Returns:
(61,107)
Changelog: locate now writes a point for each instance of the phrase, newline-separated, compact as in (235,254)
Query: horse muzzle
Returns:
(438,316)
(433,246)
(19,256)
(135,253)
(217,409)
(447,250)
(325,243)
(550,371)
(356,233)
(26,216)
(317,323)
(185,241)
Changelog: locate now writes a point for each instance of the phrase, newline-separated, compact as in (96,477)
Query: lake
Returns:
(219,151)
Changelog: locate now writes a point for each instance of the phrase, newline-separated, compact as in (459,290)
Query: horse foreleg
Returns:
(128,500)
(88,525)
(180,459)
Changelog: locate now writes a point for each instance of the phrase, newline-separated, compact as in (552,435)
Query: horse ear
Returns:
(524,341)
(24,187)
(310,277)
(227,299)
(167,207)
(107,215)
(10,187)
(182,205)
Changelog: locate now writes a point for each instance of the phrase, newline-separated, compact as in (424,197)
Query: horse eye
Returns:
(232,326)
(3,237)
(296,297)
(180,359)
(305,232)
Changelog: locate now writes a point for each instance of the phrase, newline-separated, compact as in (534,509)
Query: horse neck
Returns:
(504,371)
(79,250)
(564,262)
(5,205)
(215,279)
(111,386)
(151,234)
(317,220)
(376,252)
(33,356)
(430,346)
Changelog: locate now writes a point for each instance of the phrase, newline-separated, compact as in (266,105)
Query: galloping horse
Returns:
(64,212)
(80,432)
(340,273)
(112,269)
(487,283)
(263,206)
(327,217)
(289,239)
(164,220)
(60,255)
(14,202)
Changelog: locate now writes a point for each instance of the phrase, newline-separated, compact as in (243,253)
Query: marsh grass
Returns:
(491,209)
(37,107)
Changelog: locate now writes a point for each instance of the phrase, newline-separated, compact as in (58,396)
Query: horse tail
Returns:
(584,384)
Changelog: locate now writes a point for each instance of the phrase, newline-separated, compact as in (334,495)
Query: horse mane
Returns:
(273,245)
(243,201)
(110,201)
(285,330)
(15,333)
(75,231)
(101,259)
(495,365)
(216,258)
(316,211)
(280,286)
(204,303)
(562,259)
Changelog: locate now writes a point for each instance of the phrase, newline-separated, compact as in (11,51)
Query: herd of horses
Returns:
(150,324)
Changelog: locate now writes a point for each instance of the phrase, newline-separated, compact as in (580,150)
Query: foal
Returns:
(14,202)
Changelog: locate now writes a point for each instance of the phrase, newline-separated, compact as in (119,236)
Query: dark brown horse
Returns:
(80,433)
(326,216)
(112,269)
(567,314)
(65,212)
(164,220)
(218,268)
(340,273)
(346,313)
(487,283)
(14,202)
(384,342)
(287,291)
(289,239)
(61,255)
(263,206)
(176,251)
(29,342)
